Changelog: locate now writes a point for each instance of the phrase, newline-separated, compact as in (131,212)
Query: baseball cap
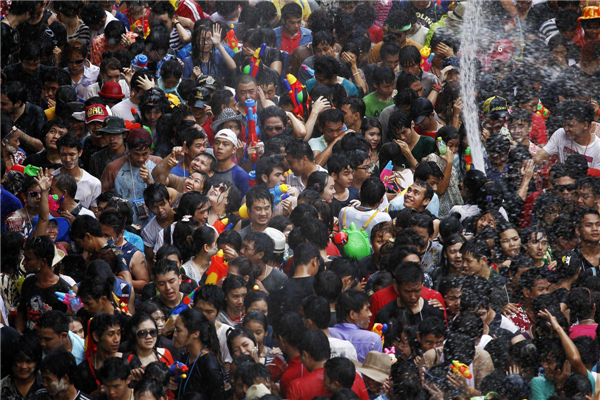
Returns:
(113,125)
(503,50)
(496,107)
(199,97)
(95,112)
(138,136)
(227,134)
(420,108)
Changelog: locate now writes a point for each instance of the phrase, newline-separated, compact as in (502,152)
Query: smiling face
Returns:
(258,330)
(243,345)
(415,198)
(194,182)
(329,190)
(260,212)
(146,334)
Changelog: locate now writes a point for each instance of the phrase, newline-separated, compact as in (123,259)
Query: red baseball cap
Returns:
(138,136)
(503,50)
(95,112)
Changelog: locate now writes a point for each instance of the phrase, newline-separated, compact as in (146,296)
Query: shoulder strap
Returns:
(369,220)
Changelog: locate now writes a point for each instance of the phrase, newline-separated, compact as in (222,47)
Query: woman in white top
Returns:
(205,246)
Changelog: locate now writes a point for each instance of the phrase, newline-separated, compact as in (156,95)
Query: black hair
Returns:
(316,344)
(42,248)
(298,149)
(92,14)
(262,243)
(150,385)
(239,332)
(114,368)
(164,266)
(397,19)
(577,384)
(289,327)
(317,310)
(69,140)
(432,326)
(408,272)
(256,372)
(26,347)
(55,320)
(350,300)
(100,323)
(258,193)
(566,20)
(372,191)
(409,55)
(60,363)
(253,296)
(344,266)
(233,282)
(67,183)
(477,247)
(195,321)
(95,287)
(211,294)
(291,10)
(328,284)
(341,370)
(327,66)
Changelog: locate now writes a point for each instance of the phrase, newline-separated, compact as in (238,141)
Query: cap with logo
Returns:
(199,97)
(420,109)
(113,126)
(496,107)
(95,112)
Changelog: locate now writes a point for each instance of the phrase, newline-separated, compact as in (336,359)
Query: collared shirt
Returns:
(89,77)
(364,341)
(296,181)
(285,43)
(10,391)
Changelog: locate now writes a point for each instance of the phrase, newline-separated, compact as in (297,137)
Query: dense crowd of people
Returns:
(283,199)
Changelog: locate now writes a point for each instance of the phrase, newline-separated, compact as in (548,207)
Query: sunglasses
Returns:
(273,128)
(78,61)
(34,193)
(144,333)
(568,188)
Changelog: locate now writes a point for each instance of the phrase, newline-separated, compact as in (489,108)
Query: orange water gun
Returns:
(232,40)
(461,369)
(222,225)
(296,91)
(218,268)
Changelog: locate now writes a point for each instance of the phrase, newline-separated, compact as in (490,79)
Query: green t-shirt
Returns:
(424,147)
(374,106)
(543,389)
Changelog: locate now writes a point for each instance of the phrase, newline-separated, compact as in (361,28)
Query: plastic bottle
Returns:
(441,146)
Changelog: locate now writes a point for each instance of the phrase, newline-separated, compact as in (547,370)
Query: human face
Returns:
(203,164)
(259,305)
(411,68)
(93,128)
(31,263)
(433,182)
(498,160)
(30,66)
(575,130)
(452,300)
(161,209)
(453,145)
(454,258)
(363,171)
(540,287)
(292,25)
(405,134)
(50,340)
(223,149)
(519,130)
(243,345)
(485,220)
(181,336)
(110,340)
(247,250)
(586,197)
(77,328)
(159,318)
(199,113)
(566,188)
(399,36)
(116,389)
(592,28)
(50,89)
(53,385)
(194,182)
(510,242)
(391,60)
(530,105)
(152,115)
(329,190)
(379,240)
(168,285)
(403,347)
(202,212)
(330,386)
(362,318)
(410,293)
(139,156)
(415,197)
(23,369)
(431,341)
(332,130)
(269,91)
(551,369)
(323,80)
(350,117)
(246,91)
(589,230)
(12,143)
(275,178)
(260,212)
(323,49)
(76,63)
(258,330)
(147,341)
(234,126)
(235,299)
(536,246)
(373,136)
(77,127)
(69,156)
(114,142)
(559,54)
(208,309)
(7,106)
(93,307)
(345,177)
(472,266)
(386,89)
(273,126)
(111,75)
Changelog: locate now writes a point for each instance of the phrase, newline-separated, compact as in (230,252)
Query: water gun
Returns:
(252,178)
(380,329)
(296,92)
(426,58)
(385,175)
(253,129)
(178,370)
(29,170)
(468,158)
(243,211)
(308,70)
(144,25)
(222,225)
(287,173)
(218,268)
(70,299)
(461,369)
(543,111)
(279,192)
(252,68)
(187,300)
(54,202)
(232,40)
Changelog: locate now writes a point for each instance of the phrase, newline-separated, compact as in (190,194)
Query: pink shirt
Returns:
(583,330)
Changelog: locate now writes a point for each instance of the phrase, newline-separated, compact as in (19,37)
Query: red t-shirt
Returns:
(289,44)
(538,134)
(376,34)
(432,135)
(295,370)
(190,9)
(583,330)
(386,295)
(312,386)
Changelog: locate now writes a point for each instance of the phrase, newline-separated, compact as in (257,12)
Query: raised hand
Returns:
(146,83)
(145,175)
(216,34)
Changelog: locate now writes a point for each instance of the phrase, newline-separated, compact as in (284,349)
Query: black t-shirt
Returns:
(31,122)
(164,308)
(10,43)
(367,266)
(205,377)
(31,82)
(40,160)
(386,313)
(89,148)
(86,378)
(426,17)
(33,299)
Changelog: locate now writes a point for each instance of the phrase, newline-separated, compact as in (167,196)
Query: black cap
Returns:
(199,97)
(419,109)
(113,126)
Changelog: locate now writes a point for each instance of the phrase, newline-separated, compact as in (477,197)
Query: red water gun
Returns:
(144,25)
(222,225)
(252,69)
(232,40)
(461,369)
(253,129)
(218,268)
(543,111)
(296,92)
(178,370)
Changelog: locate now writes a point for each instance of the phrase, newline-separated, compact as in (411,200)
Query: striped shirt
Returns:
(82,33)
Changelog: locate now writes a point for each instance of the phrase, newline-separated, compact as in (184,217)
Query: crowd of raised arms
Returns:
(300,199)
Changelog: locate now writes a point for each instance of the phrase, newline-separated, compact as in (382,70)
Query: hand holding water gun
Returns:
(380,329)
(70,299)
(468,158)
(253,129)
(296,92)
(426,58)
(218,268)
(141,28)
(222,225)
(178,370)
(187,300)
(279,192)
(232,40)
(461,369)
(252,68)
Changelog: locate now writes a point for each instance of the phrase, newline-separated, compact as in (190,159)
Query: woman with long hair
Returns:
(198,336)
(451,261)
(208,55)
(205,246)
(224,200)
(372,131)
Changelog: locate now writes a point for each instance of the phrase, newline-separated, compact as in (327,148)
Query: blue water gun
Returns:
(70,299)
(279,192)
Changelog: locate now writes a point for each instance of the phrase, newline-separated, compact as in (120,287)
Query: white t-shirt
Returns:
(342,348)
(360,218)
(160,238)
(150,233)
(559,144)
(88,188)
(222,335)
(123,109)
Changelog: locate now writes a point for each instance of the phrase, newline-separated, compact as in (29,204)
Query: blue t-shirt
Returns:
(8,203)
(135,240)
(237,175)
(216,67)
(350,87)
(177,170)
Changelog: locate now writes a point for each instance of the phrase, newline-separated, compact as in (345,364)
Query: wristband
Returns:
(177,23)
(437,88)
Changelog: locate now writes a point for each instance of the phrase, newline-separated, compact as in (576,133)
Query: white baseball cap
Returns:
(229,135)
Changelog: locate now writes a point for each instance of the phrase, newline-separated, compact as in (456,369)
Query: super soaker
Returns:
(279,192)
(253,129)
(252,69)
(296,92)
(218,268)
(380,329)
(222,225)
(461,369)
(232,40)
(426,58)
(143,26)
(178,370)
(70,299)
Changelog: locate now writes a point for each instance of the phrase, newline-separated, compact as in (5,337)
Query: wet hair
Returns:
(60,363)
(239,332)
(211,294)
(328,284)
(194,321)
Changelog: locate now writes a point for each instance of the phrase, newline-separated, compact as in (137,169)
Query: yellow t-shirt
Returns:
(302,3)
